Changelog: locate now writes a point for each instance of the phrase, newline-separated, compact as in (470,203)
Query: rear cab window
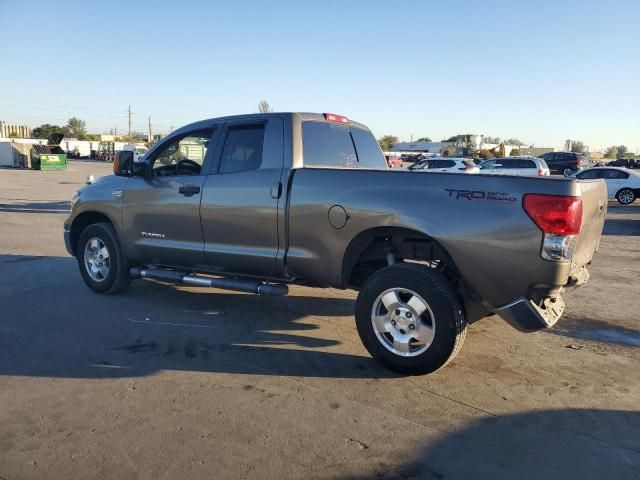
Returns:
(327,144)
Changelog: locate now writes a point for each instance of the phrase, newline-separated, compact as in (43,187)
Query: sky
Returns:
(542,71)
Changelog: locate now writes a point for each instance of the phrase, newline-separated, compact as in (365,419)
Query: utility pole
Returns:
(150,138)
(171,129)
(129,121)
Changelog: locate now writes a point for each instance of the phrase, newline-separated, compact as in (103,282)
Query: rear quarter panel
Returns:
(494,244)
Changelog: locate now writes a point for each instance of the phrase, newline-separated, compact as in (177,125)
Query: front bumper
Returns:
(526,316)
(67,243)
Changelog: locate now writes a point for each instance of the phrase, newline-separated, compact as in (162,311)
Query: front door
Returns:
(242,199)
(161,214)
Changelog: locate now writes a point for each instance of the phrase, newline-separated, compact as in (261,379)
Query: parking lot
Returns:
(172,381)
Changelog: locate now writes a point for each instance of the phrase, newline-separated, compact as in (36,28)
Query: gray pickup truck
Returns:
(254,203)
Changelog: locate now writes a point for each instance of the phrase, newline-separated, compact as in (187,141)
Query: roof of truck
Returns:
(304,116)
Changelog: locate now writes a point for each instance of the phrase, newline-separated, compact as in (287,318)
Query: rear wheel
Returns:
(100,259)
(626,196)
(409,319)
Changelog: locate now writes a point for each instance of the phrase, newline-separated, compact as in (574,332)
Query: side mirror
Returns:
(123,164)
(141,169)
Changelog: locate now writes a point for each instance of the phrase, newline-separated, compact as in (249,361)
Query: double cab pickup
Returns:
(256,203)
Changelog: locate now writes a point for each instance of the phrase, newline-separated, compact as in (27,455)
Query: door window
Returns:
(242,149)
(183,155)
(506,165)
(589,174)
(527,164)
(490,165)
(610,174)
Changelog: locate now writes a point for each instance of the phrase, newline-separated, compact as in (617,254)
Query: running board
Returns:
(240,285)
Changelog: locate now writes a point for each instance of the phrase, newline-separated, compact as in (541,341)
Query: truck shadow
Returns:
(561,444)
(53,326)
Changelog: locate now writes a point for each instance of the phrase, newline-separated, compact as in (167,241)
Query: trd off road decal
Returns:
(480,195)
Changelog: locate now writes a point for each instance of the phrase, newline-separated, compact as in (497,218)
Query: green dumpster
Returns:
(49,157)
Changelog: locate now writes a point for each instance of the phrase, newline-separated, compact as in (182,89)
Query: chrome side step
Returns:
(237,284)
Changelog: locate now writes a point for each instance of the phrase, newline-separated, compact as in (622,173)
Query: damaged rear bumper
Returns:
(526,316)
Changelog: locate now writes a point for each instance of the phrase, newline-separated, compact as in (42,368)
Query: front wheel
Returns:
(100,259)
(626,196)
(409,319)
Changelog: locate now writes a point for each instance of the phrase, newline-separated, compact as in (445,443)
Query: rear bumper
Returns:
(526,316)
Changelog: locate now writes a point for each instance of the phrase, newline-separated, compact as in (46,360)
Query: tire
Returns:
(112,276)
(441,326)
(626,196)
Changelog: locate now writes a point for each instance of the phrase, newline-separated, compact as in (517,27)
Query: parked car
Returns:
(565,163)
(623,185)
(254,203)
(449,164)
(519,166)
(624,162)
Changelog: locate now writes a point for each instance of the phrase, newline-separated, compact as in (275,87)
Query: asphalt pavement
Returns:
(180,382)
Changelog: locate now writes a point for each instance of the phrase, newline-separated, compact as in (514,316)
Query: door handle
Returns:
(276,190)
(189,190)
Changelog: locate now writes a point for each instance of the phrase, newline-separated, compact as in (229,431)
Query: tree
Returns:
(13,135)
(514,141)
(621,151)
(577,146)
(77,128)
(515,152)
(387,142)
(492,139)
(611,152)
(46,130)
(424,139)
(264,107)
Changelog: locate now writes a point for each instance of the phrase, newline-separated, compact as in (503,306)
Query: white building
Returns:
(9,130)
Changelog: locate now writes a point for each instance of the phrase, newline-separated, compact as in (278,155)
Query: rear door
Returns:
(615,179)
(241,199)
(505,166)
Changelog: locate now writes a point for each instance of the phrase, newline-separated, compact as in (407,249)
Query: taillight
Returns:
(554,214)
(332,117)
(540,172)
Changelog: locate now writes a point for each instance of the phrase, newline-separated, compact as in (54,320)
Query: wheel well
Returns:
(81,222)
(367,253)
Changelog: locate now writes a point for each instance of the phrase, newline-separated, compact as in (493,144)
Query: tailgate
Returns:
(594,211)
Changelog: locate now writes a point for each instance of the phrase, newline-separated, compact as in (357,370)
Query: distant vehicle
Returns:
(565,163)
(622,184)
(519,166)
(451,165)
(624,162)
(394,161)
(138,150)
(412,157)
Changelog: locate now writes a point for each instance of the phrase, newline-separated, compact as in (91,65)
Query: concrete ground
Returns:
(168,382)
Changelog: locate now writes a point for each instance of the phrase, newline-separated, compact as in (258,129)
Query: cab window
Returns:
(242,148)
(183,156)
